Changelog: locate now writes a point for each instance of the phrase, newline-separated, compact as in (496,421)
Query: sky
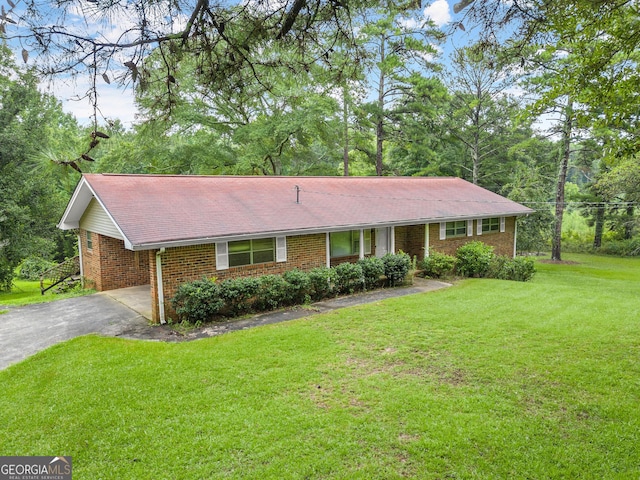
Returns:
(117,102)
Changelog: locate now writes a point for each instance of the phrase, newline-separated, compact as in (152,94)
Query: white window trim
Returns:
(443,230)
(469,228)
(222,252)
(367,241)
(281,249)
(502,225)
(222,255)
(479,227)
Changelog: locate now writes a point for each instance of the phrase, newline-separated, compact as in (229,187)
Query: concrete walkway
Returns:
(124,313)
(166,333)
(137,299)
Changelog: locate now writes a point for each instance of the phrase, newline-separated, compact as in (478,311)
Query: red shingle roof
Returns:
(153,210)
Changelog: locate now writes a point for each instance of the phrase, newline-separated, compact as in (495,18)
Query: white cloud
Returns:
(438,12)
(114,102)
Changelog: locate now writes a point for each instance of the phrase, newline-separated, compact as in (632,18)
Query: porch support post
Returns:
(426,240)
(361,253)
(392,239)
(328,241)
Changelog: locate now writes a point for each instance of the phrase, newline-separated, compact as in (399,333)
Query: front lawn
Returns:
(487,379)
(26,292)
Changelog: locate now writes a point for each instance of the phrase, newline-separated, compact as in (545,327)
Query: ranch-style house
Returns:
(165,230)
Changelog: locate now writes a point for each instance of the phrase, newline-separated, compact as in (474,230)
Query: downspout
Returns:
(515,236)
(159,285)
(81,261)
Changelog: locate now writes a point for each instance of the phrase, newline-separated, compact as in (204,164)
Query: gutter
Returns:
(159,286)
(309,231)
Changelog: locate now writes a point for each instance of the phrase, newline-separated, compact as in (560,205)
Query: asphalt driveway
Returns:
(25,331)
(29,329)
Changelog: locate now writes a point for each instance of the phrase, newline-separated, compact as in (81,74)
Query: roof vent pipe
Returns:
(297,194)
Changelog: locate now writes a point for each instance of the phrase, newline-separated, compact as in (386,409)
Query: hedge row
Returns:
(476,259)
(205,300)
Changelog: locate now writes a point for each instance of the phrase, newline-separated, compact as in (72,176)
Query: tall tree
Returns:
(112,40)
(400,49)
(29,201)
(479,79)
(602,75)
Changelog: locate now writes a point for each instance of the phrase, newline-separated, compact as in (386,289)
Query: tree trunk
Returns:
(345,121)
(380,119)
(475,153)
(475,156)
(628,224)
(599,224)
(556,241)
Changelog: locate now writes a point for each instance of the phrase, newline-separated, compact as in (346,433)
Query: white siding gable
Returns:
(95,219)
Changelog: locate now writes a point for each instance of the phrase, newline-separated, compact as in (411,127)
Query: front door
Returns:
(382,242)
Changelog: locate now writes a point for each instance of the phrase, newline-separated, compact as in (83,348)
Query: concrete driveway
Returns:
(29,329)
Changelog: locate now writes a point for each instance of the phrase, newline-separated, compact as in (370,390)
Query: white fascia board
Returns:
(78,205)
(188,242)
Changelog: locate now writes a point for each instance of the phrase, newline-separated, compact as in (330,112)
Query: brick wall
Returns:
(108,265)
(501,242)
(184,264)
(410,239)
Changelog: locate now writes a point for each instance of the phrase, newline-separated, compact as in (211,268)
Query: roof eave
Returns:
(189,242)
(78,204)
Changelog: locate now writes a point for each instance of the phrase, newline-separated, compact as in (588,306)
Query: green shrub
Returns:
(497,266)
(32,268)
(198,301)
(298,287)
(239,294)
(348,278)
(372,271)
(396,267)
(272,293)
(474,259)
(438,265)
(520,269)
(6,275)
(622,248)
(320,282)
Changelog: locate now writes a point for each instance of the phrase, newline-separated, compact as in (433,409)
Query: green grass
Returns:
(25,292)
(487,379)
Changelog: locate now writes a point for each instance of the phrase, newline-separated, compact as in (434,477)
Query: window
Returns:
(456,229)
(491,225)
(89,241)
(345,244)
(248,252)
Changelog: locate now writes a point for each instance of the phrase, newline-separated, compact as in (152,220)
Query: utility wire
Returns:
(497,202)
